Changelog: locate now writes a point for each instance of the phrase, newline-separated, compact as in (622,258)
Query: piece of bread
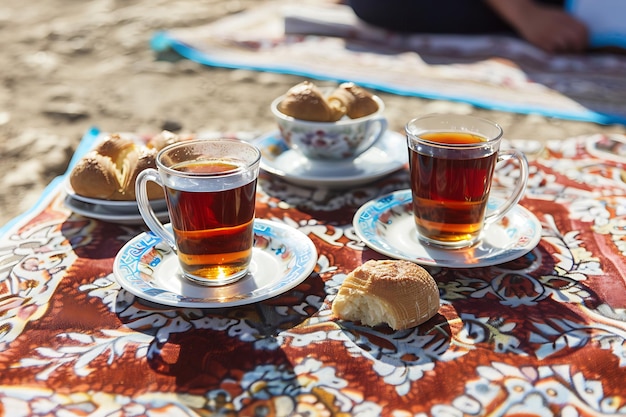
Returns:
(398,293)
(356,101)
(146,159)
(109,171)
(305,101)
(163,139)
(95,176)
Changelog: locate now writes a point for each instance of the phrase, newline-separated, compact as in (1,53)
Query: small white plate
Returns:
(388,155)
(105,213)
(124,207)
(387,226)
(282,258)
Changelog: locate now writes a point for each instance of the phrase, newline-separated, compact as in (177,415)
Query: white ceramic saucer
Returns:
(123,207)
(105,213)
(387,226)
(388,155)
(282,258)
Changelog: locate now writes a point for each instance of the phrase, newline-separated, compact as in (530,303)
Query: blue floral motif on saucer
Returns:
(386,225)
(282,257)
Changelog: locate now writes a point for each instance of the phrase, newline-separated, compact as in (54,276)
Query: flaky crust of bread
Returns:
(398,293)
(109,171)
(116,147)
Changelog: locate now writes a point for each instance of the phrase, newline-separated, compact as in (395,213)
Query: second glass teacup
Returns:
(452,160)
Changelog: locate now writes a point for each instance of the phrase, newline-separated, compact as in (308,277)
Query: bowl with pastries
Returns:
(329,124)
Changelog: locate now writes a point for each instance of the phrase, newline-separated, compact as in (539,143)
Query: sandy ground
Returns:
(67,65)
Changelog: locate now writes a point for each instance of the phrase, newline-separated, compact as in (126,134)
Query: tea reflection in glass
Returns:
(213,227)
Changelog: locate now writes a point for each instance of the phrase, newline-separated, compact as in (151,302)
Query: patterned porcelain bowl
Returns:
(344,139)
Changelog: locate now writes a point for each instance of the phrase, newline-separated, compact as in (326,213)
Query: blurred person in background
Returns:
(543,23)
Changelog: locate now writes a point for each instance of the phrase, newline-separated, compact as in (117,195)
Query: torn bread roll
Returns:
(163,139)
(398,293)
(355,101)
(305,101)
(109,171)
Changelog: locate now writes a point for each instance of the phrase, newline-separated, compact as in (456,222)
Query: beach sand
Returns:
(69,65)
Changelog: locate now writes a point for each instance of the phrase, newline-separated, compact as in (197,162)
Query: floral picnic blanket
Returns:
(544,334)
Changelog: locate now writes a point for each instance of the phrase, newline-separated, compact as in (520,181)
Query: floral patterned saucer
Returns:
(282,258)
(388,155)
(386,225)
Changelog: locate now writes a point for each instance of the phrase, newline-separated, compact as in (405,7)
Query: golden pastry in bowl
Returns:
(355,101)
(338,126)
(305,101)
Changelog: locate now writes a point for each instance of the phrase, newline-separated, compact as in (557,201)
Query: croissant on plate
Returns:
(109,171)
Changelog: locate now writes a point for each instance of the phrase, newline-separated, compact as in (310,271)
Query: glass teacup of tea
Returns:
(210,189)
(452,159)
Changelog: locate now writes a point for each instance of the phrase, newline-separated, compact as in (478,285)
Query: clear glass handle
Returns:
(518,190)
(147,213)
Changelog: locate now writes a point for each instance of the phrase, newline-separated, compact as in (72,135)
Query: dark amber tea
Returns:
(210,188)
(212,222)
(450,188)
